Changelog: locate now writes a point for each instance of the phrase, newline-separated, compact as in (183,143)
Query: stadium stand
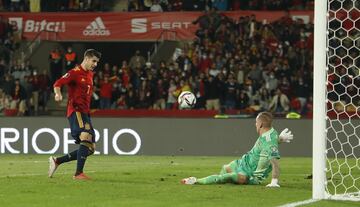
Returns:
(234,65)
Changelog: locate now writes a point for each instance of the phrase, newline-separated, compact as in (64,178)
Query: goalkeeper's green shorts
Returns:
(238,167)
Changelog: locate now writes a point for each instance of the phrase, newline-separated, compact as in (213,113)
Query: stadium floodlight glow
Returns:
(336,137)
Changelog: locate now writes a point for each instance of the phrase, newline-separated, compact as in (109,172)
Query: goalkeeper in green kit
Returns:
(255,165)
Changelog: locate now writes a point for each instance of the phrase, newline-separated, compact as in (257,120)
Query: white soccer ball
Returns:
(186,100)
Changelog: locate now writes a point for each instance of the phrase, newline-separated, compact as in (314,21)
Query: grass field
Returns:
(145,181)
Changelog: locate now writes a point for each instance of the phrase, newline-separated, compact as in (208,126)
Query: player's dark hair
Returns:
(92,53)
(266,119)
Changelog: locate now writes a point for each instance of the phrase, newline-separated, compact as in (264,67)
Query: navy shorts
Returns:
(80,122)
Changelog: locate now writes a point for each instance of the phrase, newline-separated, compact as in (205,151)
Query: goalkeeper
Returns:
(255,165)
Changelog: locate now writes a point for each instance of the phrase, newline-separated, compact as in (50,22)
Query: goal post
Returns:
(336,95)
(319,98)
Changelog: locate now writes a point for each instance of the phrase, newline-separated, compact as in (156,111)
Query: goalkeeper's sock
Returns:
(219,179)
(67,158)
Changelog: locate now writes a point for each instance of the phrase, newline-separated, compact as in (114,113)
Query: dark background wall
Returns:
(113,52)
(161,136)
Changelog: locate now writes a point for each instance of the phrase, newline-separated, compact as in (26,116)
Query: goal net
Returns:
(337,138)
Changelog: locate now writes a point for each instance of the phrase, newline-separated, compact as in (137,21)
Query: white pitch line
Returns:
(299,203)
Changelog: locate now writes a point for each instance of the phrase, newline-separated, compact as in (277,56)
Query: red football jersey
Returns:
(80,88)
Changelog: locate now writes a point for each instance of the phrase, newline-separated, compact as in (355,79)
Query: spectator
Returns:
(55,59)
(147,4)
(171,98)
(164,5)
(279,103)
(19,96)
(131,100)
(7,85)
(212,93)
(29,88)
(200,95)
(285,87)
(4,101)
(231,92)
(145,96)
(271,82)
(203,21)
(2,69)
(243,101)
(121,102)
(44,89)
(255,75)
(70,59)
(301,93)
(204,64)
(155,7)
(106,87)
(106,71)
(159,95)
(118,96)
(137,60)
(33,79)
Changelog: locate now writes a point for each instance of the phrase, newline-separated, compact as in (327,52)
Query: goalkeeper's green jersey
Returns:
(256,163)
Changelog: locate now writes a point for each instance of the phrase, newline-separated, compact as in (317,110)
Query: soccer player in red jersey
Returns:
(80,86)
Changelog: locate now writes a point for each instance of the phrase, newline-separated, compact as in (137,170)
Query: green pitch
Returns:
(145,181)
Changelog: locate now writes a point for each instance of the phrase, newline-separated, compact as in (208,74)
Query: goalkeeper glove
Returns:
(286,136)
(274,183)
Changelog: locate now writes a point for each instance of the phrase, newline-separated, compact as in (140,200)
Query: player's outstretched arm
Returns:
(58,96)
(286,136)
(275,173)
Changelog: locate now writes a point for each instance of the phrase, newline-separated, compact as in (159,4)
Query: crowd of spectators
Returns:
(22,89)
(5,33)
(243,65)
(235,65)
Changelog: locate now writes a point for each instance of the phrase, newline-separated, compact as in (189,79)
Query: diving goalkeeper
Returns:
(255,165)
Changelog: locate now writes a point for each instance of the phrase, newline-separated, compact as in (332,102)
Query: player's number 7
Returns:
(88,90)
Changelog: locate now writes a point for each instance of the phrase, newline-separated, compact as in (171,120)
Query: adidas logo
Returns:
(96,28)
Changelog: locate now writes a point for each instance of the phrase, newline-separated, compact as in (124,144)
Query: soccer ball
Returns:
(186,100)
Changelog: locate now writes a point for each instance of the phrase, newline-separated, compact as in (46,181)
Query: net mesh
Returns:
(343,99)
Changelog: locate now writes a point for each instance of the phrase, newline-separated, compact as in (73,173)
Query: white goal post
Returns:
(336,119)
